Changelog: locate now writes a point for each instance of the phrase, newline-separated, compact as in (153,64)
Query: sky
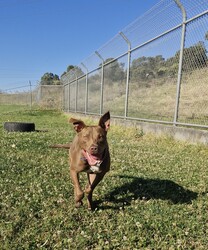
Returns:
(39,36)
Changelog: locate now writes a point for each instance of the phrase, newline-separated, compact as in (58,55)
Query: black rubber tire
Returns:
(19,127)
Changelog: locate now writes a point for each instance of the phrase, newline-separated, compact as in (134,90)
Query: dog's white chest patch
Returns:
(95,169)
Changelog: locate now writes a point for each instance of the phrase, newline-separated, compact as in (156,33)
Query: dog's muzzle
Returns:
(93,161)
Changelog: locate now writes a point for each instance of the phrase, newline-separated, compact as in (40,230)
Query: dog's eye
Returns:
(100,137)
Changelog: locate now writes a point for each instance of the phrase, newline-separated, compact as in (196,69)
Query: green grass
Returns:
(154,197)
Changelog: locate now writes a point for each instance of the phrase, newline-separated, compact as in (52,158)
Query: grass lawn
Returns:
(154,197)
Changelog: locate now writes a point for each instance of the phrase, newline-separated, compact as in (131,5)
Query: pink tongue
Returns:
(92,159)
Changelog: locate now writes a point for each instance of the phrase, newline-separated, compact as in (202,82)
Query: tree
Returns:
(194,57)
(113,71)
(74,70)
(147,67)
(70,67)
(50,79)
(206,36)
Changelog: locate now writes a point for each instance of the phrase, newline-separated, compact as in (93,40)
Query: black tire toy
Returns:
(19,127)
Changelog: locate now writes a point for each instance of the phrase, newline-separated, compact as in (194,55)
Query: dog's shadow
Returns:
(135,188)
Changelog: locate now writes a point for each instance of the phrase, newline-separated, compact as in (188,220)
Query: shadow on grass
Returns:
(134,188)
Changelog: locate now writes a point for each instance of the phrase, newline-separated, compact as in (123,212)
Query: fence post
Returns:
(76,94)
(102,81)
(30,95)
(63,95)
(68,97)
(128,73)
(181,7)
(86,89)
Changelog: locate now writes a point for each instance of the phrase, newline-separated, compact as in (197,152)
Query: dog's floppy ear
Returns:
(78,124)
(105,121)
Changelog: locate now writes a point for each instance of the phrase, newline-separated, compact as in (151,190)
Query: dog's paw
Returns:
(92,206)
(78,204)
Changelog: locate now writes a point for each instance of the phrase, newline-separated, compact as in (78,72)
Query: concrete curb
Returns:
(178,133)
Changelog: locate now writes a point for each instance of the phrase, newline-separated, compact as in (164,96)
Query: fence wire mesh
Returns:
(19,98)
(155,69)
(29,97)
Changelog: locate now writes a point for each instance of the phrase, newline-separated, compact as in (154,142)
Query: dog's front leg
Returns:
(78,193)
(93,180)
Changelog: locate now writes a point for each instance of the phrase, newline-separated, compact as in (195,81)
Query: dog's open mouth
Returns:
(93,160)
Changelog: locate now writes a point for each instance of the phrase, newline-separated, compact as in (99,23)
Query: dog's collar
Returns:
(93,161)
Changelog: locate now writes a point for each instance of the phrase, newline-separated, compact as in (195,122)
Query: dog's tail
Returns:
(66,146)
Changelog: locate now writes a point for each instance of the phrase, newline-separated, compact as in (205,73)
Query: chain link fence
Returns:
(155,69)
(30,97)
(50,96)
(19,98)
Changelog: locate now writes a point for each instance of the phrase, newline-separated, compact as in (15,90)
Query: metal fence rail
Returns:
(155,69)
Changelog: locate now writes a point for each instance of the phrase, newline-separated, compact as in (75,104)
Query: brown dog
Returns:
(88,153)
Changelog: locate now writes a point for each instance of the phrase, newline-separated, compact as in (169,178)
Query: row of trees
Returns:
(143,68)
(194,57)
(53,79)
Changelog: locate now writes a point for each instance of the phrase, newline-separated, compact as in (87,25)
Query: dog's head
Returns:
(92,139)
